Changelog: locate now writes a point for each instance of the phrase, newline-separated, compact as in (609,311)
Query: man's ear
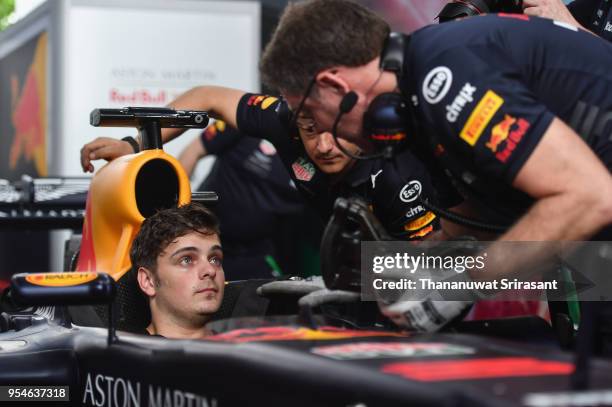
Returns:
(332,80)
(146,281)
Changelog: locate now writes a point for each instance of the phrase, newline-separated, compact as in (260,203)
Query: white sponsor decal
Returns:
(373,178)
(567,26)
(569,399)
(11,345)
(109,391)
(415,210)
(411,191)
(267,148)
(608,27)
(379,350)
(465,96)
(436,84)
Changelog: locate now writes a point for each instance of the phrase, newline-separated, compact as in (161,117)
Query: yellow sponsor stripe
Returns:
(268,102)
(420,222)
(480,117)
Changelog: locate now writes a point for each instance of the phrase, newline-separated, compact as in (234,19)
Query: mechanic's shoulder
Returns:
(447,39)
(401,167)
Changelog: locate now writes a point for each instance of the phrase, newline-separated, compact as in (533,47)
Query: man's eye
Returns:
(216,261)
(185,260)
(307,127)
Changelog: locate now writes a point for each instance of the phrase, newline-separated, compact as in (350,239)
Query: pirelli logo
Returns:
(480,117)
(420,222)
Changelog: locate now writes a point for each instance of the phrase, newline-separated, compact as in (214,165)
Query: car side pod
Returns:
(133,187)
(61,289)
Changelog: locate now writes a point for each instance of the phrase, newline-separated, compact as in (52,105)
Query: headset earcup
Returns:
(463,8)
(386,118)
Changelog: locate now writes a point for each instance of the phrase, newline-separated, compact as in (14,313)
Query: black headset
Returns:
(466,8)
(386,122)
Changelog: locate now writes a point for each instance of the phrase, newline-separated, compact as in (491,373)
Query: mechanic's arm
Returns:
(573,192)
(218,101)
(574,197)
(553,9)
(191,154)
(451,230)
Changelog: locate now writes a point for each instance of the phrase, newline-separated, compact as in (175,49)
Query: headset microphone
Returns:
(347,104)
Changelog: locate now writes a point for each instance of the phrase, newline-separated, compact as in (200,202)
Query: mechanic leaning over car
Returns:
(179,263)
(319,169)
(516,109)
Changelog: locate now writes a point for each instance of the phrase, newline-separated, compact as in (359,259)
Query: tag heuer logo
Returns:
(303,169)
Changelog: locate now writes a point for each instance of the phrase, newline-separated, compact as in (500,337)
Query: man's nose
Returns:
(206,270)
(326,143)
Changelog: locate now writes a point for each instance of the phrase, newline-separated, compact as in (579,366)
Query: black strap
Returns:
(132,141)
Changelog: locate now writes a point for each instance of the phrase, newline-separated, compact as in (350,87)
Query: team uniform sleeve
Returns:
(257,116)
(475,102)
(219,138)
(399,192)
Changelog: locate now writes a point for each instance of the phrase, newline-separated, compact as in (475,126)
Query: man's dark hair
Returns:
(161,229)
(319,34)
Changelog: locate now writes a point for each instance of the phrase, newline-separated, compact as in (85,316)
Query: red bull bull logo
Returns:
(500,132)
(506,135)
(29,113)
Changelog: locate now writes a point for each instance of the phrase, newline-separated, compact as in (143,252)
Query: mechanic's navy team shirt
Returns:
(594,15)
(392,190)
(488,87)
(253,186)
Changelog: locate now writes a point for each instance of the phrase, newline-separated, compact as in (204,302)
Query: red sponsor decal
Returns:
(139,96)
(486,368)
(389,137)
(255,100)
(287,333)
(523,17)
(210,133)
(422,233)
(507,133)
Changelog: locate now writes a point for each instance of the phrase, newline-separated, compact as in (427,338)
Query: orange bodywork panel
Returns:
(113,215)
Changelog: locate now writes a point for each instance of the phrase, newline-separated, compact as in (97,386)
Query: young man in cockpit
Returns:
(179,262)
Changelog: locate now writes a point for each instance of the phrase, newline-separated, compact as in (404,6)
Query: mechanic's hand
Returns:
(103,148)
(553,9)
(420,308)
(424,310)
(423,316)
(296,287)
